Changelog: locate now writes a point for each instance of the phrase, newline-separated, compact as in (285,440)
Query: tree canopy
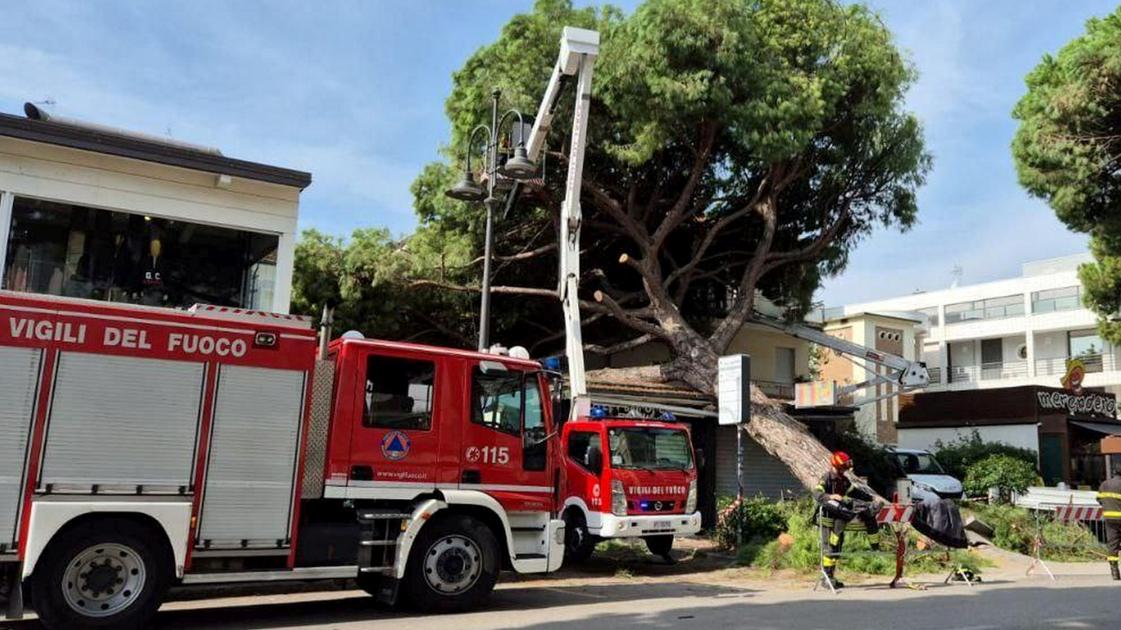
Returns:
(1068,152)
(736,148)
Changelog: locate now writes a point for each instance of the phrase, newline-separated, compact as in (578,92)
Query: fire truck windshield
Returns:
(650,448)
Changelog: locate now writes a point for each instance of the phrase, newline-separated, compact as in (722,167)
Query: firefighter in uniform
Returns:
(1109,496)
(833,495)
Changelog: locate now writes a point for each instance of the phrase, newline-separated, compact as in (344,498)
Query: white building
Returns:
(92,212)
(997,353)
(1018,331)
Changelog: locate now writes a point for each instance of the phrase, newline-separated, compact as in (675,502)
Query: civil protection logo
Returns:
(395,446)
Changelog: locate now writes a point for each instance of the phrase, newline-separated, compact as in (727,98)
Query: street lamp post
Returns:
(517,167)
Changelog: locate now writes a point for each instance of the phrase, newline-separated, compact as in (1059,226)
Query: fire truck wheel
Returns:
(578,542)
(659,545)
(453,565)
(103,573)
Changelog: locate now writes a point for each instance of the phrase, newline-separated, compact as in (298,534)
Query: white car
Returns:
(928,479)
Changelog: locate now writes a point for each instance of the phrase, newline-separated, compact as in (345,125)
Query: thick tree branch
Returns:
(619,347)
(764,186)
(606,306)
(678,211)
(494,289)
(556,336)
(811,251)
(603,200)
(745,297)
(522,255)
(626,317)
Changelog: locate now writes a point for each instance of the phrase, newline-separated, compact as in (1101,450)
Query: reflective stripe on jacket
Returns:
(1109,496)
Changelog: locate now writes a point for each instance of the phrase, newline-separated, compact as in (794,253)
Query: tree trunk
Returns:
(787,439)
(777,432)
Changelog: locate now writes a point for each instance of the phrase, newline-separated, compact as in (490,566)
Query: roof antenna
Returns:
(957,273)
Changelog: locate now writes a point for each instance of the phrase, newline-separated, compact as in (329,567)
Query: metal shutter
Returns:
(251,467)
(120,422)
(19,378)
(763,474)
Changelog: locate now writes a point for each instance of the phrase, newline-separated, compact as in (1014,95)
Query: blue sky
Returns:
(354,93)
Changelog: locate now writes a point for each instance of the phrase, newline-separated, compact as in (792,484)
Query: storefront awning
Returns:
(1100,427)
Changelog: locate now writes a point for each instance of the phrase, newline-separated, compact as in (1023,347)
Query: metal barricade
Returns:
(897,518)
(1088,518)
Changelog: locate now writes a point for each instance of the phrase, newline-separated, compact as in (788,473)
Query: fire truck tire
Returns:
(104,573)
(578,542)
(659,545)
(453,565)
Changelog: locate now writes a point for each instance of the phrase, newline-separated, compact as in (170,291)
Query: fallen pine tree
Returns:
(776,431)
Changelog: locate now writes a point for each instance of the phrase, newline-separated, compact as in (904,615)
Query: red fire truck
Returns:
(627,478)
(146,447)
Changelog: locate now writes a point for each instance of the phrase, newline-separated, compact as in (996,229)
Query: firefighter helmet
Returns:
(841,460)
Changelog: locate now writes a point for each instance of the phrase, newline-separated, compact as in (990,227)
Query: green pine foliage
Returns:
(706,116)
(1067,150)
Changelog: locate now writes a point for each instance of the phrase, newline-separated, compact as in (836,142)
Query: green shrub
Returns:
(1005,473)
(958,455)
(803,554)
(758,518)
(1014,529)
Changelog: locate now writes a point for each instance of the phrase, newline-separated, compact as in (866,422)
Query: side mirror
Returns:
(593,458)
(699,454)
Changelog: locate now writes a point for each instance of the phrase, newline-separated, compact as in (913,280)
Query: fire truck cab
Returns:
(627,478)
(146,447)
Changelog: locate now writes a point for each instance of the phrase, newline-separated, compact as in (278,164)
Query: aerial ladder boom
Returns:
(907,375)
(578,51)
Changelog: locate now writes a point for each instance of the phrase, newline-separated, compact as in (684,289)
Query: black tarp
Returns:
(941,522)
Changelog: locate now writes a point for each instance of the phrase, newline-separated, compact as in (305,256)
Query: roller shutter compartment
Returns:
(121,422)
(252,462)
(19,379)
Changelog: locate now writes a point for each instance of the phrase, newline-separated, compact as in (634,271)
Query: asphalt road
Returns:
(1072,602)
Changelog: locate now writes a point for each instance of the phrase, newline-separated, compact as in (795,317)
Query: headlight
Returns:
(618,498)
(691,499)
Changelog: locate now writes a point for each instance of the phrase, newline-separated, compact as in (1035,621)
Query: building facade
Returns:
(105,214)
(896,333)
(1014,332)
(1017,361)
(1062,426)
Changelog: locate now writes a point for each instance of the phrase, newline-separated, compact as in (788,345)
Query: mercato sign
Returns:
(105,336)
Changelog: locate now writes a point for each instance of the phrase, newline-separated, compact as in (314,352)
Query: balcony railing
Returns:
(935,375)
(774,389)
(988,371)
(1093,363)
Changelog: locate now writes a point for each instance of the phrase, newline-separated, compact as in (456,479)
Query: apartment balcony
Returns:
(991,374)
(775,389)
(1093,363)
(988,372)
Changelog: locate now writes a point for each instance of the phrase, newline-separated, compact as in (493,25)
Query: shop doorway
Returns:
(1051,458)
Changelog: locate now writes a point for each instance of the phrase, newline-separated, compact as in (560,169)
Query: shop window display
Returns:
(63,249)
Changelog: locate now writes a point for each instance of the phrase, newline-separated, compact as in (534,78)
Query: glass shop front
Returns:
(75,251)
